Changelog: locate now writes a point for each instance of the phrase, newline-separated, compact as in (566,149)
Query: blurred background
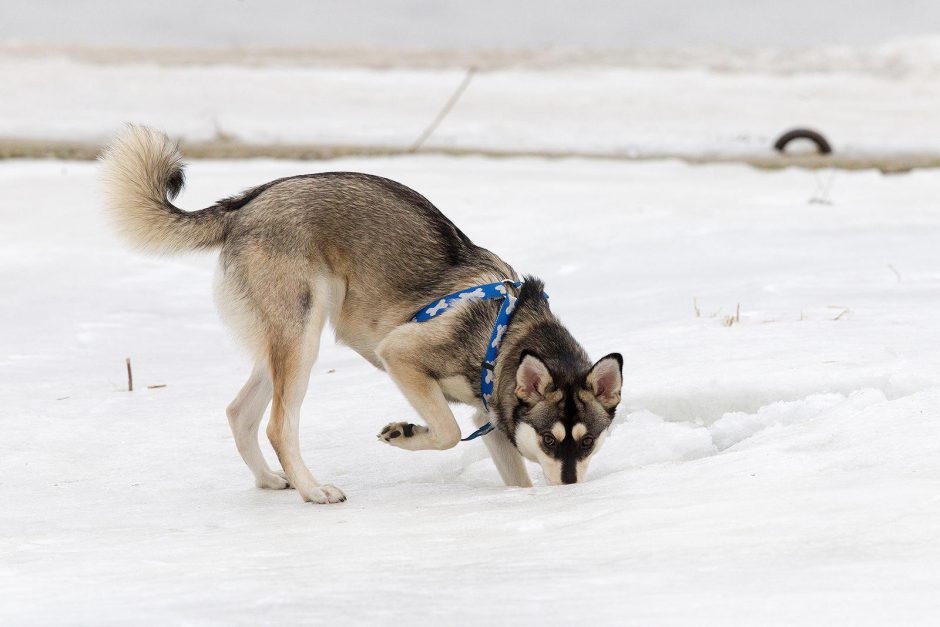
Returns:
(698,81)
(450,25)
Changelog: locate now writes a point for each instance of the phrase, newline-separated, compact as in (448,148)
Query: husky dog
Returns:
(366,253)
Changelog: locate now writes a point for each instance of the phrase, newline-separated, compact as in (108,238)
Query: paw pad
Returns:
(395,430)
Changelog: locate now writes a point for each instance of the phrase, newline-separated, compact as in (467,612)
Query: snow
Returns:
(776,466)
(887,107)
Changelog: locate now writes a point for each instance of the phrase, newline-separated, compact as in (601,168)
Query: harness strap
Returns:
(483,430)
(490,291)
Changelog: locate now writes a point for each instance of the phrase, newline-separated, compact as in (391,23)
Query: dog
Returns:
(365,253)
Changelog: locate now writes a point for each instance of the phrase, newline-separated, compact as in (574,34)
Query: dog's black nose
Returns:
(568,473)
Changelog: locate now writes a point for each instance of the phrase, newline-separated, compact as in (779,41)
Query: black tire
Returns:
(822,145)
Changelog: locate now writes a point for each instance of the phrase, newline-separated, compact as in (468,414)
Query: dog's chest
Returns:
(458,389)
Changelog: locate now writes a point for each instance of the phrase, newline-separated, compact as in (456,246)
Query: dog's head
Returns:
(561,418)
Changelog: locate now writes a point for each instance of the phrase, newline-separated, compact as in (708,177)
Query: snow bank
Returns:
(688,111)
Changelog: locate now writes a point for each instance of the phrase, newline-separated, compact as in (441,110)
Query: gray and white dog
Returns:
(365,253)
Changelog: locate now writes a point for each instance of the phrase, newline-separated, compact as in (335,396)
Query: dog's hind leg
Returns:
(244,417)
(292,355)
(508,461)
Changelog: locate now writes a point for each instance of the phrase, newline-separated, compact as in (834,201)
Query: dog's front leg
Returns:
(397,353)
(505,456)
(427,398)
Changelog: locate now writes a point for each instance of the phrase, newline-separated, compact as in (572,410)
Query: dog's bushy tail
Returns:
(142,172)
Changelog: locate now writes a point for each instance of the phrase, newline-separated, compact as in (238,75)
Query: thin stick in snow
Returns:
(736,318)
(443,112)
(130,375)
(821,195)
(895,271)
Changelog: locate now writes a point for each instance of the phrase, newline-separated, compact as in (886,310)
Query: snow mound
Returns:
(641,437)
(735,427)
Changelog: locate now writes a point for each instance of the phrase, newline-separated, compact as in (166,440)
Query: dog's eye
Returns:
(587,441)
(548,439)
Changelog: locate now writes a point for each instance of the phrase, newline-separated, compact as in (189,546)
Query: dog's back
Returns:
(371,250)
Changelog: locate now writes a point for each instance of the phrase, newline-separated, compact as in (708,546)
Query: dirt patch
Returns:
(13,148)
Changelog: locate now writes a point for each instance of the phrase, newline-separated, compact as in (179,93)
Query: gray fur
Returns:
(364,253)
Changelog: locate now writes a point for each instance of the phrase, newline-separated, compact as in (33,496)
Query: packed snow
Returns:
(887,108)
(774,460)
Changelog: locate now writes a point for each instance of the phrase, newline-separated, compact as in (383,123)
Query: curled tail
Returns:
(142,171)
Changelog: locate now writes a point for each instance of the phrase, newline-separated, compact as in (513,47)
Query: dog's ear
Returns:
(605,380)
(532,378)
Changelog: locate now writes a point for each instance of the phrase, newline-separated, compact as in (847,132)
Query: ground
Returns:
(774,460)
(881,112)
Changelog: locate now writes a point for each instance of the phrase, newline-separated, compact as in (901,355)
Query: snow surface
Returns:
(780,470)
(888,107)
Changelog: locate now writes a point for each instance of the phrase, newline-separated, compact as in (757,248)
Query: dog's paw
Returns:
(398,433)
(324,494)
(275,480)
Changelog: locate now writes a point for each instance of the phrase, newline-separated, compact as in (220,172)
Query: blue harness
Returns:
(491,291)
